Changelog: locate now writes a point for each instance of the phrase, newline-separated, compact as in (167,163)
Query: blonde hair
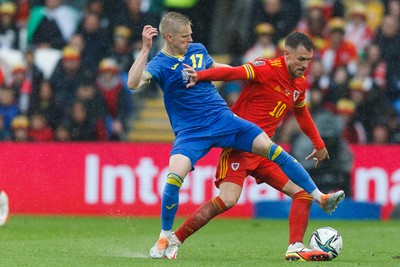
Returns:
(172,22)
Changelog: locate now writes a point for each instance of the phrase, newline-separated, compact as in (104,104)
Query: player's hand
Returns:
(191,72)
(147,35)
(318,155)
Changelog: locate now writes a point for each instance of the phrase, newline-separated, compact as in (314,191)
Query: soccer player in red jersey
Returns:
(273,87)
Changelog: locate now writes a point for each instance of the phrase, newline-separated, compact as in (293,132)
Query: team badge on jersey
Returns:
(259,63)
(235,166)
(185,76)
(296,95)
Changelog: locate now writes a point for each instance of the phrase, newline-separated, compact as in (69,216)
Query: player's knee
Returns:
(230,200)
(229,193)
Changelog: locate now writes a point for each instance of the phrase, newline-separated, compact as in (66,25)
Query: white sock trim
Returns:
(316,194)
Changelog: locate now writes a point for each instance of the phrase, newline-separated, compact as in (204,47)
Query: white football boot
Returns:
(329,202)
(173,247)
(298,252)
(158,250)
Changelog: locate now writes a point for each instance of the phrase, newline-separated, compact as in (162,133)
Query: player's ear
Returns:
(168,37)
(286,52)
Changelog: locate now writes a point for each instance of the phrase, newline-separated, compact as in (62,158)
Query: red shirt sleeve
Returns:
(224,74)
(307,125)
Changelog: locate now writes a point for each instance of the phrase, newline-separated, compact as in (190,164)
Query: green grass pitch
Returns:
(103,241)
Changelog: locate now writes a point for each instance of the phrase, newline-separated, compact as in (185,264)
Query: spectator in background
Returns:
(364,107)
(354,131)
(338,85)
(363,75)
(20,128)
(79,124)
(335,8)
(375,12)
(45,104)
(358,94)
(21,86)
(200,11)
(264,46)
(135,19)
(77,42)
(39,130)
(33,73)
(96,107)
(378,65)
(22,14)
(357,30)
(8,107)
(313,23)
(5,134)
(9,32)
(97,7)
(317,77)
(121,50)
(51,25)
(96,41)
(377,100)
(283,15)
(392,8)
(62,133)
(338,51)
(66,77)
(116,96)
(380,132)
(388,39)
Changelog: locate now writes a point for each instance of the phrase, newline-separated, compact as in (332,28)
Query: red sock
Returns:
(299,216)
(200,217)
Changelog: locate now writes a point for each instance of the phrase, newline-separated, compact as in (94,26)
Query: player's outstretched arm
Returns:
(217,74)
(136,75)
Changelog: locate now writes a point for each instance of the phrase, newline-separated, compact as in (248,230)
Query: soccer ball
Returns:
(328,240)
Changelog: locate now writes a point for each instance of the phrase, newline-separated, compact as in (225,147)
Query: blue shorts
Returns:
(228,131)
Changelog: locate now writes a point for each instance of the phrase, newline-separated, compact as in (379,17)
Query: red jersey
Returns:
(269,93)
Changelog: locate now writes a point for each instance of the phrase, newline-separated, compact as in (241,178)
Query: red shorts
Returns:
(234,166)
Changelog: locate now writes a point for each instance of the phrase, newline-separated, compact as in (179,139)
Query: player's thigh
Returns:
(236,133)
(190,146)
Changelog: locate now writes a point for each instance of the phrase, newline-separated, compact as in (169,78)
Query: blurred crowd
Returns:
(64,63)
(64,67)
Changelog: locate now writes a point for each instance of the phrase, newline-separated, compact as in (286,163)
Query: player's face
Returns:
(181,39)
(297,61)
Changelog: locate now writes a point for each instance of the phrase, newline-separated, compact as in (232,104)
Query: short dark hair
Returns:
(296,39)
